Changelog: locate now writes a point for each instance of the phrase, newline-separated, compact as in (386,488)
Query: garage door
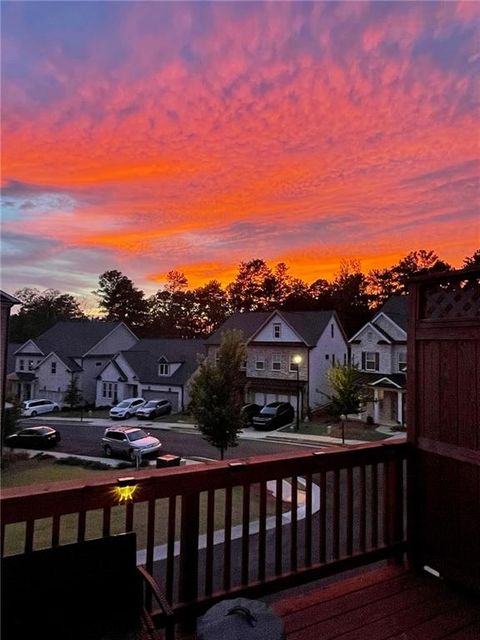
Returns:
(163,395)
(259,399)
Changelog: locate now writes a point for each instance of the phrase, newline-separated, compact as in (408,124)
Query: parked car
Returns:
(154,408)
(35,407)
(126,408)
(127,441)
(40,437)
(249,411)
(274,415)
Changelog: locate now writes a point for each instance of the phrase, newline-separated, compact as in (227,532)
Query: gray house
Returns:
(153,368)
(380,351)
(44,366)
(274,341)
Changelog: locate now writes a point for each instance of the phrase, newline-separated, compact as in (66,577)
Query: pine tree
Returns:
(73,396)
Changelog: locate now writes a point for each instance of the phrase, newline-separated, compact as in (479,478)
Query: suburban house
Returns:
(275,342)
(44,366)
(152,368)
(6,303)
(380,351)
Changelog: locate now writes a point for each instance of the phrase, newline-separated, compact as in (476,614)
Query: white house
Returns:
(380,351)
(153,368)
(44,366)
(274,340)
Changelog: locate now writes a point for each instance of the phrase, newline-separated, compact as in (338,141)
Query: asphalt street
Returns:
(82,438)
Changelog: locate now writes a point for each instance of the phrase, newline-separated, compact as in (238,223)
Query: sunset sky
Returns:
(150,136)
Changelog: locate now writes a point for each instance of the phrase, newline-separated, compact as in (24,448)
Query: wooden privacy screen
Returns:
(444,423)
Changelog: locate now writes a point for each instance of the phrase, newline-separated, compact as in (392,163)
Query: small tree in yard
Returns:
(73,396)
(217,394)
(347,396)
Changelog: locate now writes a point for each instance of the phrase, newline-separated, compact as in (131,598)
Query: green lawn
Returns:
(37,472)
(354,430)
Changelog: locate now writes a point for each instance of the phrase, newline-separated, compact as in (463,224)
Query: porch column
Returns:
(376,408)
(400,406)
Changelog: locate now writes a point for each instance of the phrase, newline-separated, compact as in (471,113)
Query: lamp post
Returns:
(297,360)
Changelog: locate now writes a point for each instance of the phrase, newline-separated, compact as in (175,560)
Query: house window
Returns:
(327,357)
(54,367)
(333,358)
(277,330)
(98,364)
(243,365)
(30,365)
(260,365)
(110,390)
(163,369)
(370,360)
(332,330)
(402,361)
(22,365)
(344,358)
(276,362)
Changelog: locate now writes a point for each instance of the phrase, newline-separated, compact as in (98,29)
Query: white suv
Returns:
(34,407)
(129,441)
(127,408)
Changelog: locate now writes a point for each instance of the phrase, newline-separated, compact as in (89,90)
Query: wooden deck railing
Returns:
(214,530)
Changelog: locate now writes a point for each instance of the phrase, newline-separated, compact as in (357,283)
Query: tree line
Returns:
(179,311)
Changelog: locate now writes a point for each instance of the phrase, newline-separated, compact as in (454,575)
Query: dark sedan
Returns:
(274,415)
(34,437)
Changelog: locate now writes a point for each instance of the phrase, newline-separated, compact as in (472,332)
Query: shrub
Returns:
(370,421)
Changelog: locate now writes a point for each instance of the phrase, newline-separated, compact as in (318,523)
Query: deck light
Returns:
(125,489)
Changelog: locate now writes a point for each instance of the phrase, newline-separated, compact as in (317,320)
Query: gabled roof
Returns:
(309,325)
(72,339)
(116,366)
(67,361)
(391,380)
(370,325)
(396,308)
(143,358)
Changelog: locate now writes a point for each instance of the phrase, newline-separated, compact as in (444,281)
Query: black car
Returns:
(249,411)
(36,437)
(274,415)
(154,408)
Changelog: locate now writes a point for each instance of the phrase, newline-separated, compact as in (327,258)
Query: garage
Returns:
(266,398)
(173,396)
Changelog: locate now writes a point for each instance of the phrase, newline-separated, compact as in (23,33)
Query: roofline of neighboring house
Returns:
(268,319)
(54,353)
(9,299)
(388,379)
(107,335)
(370,324)
(385,315)
(25,343)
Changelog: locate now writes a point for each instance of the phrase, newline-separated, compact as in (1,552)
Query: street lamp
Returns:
(297,360)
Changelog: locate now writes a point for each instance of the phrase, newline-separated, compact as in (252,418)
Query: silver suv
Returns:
(130,442)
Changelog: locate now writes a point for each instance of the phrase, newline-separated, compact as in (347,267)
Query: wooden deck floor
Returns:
(386,603)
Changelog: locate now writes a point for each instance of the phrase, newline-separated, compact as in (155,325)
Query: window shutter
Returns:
(377,361)
(363,359)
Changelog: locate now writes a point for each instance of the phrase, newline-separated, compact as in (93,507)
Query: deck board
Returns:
(388,603)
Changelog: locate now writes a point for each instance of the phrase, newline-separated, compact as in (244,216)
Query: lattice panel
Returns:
(452,301)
